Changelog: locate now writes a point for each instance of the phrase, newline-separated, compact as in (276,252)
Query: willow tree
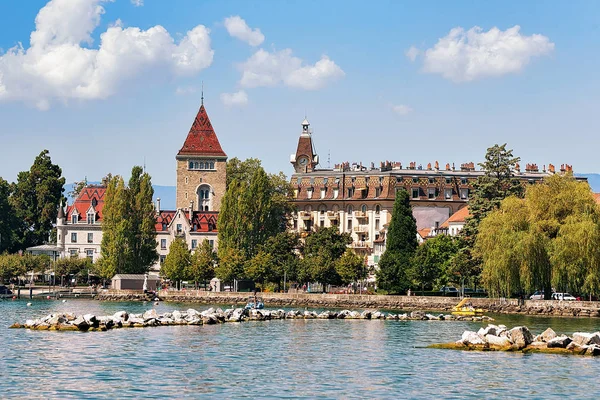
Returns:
(551,238)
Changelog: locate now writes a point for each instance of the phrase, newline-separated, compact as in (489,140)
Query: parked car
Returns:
(449,290)
(5,290)
(538,295)
(563,296)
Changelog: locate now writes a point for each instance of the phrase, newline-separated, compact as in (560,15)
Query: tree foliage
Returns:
(8,221)
(432,262)
(351,267)
(231,264)
(551,238)
(11,266)
(202,266)
(177,262)
(401,243)
(321,252)
(35,199)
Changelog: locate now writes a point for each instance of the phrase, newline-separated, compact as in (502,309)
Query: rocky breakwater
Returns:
(122,319)
(500,338)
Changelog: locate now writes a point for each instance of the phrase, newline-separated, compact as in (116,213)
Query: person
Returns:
(255,300)
(304,287)
(408,293)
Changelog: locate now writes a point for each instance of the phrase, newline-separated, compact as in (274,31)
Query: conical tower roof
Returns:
(202,139)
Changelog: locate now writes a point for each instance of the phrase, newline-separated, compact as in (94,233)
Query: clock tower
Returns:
(305,159)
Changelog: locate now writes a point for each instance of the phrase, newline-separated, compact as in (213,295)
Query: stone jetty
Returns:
(500,338)
(150,318)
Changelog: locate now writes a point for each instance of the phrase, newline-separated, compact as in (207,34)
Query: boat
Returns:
(466,309)
(255,302)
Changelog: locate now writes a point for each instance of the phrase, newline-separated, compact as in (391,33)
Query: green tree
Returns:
(142,221)
(432,262)
(351,267)
(202,266)
(35,199)
(322,250)
(11,266)
(548,239)
(231,265)
(284,249)
(78,187)
(8,222)
(401,243)
(260,267)
(177,262)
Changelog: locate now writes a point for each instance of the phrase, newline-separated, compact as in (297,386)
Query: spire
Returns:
(202,98)
(202,139)
(61,211)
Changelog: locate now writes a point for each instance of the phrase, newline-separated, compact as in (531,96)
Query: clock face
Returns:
(303,161)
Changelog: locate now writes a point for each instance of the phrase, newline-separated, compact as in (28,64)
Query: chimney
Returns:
(158,205)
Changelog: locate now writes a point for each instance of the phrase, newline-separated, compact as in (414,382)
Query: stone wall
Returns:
(503,306)
(188,182)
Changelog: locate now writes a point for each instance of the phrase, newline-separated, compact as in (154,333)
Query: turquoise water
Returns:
(278,359)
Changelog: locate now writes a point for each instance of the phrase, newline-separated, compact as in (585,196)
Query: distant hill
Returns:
(165,193)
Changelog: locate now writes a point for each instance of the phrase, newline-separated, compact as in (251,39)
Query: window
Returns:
(415,193)
(415,179)
(191,166)
(309,193)
(377,209)
(186,179)
(194,243)
(162,259)
(363,208)
(448,194)
(299,181)
(335,193)
(163,244)
(89,253)
(448,180)
(324,181)
(212,165)
(323,192)
(164,226)
(464,194)
(349,225)
(74,237)
(179,228)
(350,210)
(211,244)
(377,191)
(295,224)
(204,197)
(350,192)
(74,218)
(74,253)
(431,180)
(463,181)
(90,218)
(431,193)
(90,237)
(364,193)
(377,224)
(322,223)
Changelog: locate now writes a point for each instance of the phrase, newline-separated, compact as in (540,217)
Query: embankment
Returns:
(409,303)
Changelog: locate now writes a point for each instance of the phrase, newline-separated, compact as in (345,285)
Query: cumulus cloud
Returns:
(238,28)
(57,67)
(412,53)
(239,98)
(137,3)
(401,109)
(270,69)
(464,56)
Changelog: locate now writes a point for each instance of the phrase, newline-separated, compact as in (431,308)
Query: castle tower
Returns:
(201,172)
(305,159)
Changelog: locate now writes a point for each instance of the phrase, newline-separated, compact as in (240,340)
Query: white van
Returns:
(563,296)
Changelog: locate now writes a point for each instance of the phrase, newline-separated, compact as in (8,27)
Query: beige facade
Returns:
(203,188)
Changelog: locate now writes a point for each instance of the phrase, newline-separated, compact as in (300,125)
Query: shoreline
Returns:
(408,303)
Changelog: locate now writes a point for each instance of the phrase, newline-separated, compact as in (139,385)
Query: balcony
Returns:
(304,215)
(360,214)
(333,215)
(361,229)
(361,245)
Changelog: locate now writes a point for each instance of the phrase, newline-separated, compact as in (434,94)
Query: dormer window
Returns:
(74,218)
(91,218)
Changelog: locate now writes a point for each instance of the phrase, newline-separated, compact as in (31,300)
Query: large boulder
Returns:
(560,342)
(497,341)
(121,315)
(80,323)
(488,330)
(520,336)
(150,314)
(592,350)
(471,338)
(585,339)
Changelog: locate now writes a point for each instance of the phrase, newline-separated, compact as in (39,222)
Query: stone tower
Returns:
(305,159)
(201,172)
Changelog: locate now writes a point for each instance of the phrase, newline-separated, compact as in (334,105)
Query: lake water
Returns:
(278,359)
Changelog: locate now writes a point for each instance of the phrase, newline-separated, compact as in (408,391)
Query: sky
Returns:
(105,85)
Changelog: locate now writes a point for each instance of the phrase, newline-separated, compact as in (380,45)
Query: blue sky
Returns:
(103,107)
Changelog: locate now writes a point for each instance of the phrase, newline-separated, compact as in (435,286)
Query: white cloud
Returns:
(401,109)
(137,3)
(412,53)
(239,98)
(57,67)
(270,69)
(463,56)
(238,28)
(183,90)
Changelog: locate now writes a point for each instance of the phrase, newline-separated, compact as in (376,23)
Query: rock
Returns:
(16,325)
(417,314)
(431,317)
(150,314)
(121,315)
(377,315)
(176,315)
(366,314)
(80,323)
(584,338)
(559,342)
(488,330)
(354,315)
(537,345)
(472,338)
(520,336)
(56,319)
(194,321)
(592,350)
(499,341)
(545,336)
(326,315)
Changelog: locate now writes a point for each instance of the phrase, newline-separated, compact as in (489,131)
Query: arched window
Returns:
(363,208)
(212,165)
(191,165)
(196,165)
(377,209)
(204,197)
(350,210)
(322,209)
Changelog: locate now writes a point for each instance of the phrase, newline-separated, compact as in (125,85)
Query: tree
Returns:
(177,262)
(322,249)
(78,187)
(259,268)
(128,228)
(8,222)
(35,199)
(254,208)
(65,267)
(350,267)
(401,243)
(11,266)
(202,266)
(432,262)
(284,249)
(551,238)
(231,265)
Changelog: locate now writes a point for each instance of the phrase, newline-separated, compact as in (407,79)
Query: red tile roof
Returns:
(202,221)
(459,216)
(596,197)
(424,232)
(83,202)
(202,139)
